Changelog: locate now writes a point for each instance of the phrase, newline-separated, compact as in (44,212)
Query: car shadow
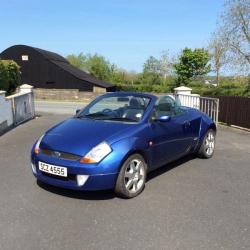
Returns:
(169,166)
(109,194)
(75,194)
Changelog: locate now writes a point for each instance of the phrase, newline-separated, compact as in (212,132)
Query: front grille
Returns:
(61,155)
(70,177)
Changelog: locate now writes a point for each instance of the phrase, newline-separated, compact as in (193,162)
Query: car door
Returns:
(170,139)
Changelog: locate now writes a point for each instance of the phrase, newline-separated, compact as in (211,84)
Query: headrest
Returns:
(165,106)
(134,103)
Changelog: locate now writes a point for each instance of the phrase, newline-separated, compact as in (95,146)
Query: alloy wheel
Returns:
(210,143)
(134,175)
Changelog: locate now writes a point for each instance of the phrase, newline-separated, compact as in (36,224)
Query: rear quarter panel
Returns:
(206,123)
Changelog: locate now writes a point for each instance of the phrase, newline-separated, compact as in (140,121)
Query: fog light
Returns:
(81,179)
(33,167)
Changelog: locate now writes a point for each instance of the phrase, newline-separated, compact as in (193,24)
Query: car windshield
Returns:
(128,108)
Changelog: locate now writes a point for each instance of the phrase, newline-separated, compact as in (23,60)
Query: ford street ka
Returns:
(117,139)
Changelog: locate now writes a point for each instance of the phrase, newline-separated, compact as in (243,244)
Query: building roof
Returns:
(80,74)
(65,65)
(62,63)
(49,55)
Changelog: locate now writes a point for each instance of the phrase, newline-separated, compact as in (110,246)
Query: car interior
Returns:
(134,110)
(165,106)
(132,107)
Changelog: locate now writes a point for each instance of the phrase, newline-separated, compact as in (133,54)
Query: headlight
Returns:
(97,153)
(37,146)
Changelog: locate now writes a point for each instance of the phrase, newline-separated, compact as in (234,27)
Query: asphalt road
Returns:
(58,107)
(190,204)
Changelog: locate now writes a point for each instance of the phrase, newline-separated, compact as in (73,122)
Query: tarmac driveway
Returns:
(190,204)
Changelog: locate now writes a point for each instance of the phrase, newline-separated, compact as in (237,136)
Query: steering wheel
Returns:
(107,111)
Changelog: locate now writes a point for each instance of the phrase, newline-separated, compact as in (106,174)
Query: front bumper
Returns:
(94,182)
(100,176)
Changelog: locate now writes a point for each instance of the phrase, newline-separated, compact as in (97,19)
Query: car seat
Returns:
(164,108)
(134,110)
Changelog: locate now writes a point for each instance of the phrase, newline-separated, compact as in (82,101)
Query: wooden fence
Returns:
(235,110)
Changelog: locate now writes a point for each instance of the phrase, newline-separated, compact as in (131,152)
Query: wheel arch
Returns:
(213,127)
(132,152)
(132,145)
(206,123)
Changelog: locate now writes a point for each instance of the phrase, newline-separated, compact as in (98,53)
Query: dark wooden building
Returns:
(45,69)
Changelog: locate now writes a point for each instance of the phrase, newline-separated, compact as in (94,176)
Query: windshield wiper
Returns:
(94,116)
(101,116)
(118,119)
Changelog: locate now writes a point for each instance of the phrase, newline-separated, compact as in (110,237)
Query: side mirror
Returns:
(164,118)
(77,111)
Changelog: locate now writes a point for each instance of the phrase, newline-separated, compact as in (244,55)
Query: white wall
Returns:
(186,98)
(16,108)
(5,109)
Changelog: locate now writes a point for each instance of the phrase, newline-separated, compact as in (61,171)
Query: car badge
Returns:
(57,154)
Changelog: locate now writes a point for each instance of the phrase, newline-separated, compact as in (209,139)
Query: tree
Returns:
(99,67)
(152,65)
(10,76)
(151,73)
(95,64)
(192,63)
(235,31)
(122,76)
(79,61)
(165,64)
(218,55)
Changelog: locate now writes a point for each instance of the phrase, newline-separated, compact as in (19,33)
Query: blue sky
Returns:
(126,32)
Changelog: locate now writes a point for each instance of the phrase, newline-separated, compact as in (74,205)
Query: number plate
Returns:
(52,169)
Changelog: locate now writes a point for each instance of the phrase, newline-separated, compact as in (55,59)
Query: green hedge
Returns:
(10,76)
(224,89)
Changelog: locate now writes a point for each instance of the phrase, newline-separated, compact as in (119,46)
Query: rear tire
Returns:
(132,177)
(207,147)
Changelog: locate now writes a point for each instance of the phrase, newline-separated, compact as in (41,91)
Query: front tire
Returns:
(207,147)
(132,177)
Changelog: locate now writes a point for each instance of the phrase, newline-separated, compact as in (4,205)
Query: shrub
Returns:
(10,76)
(225,88)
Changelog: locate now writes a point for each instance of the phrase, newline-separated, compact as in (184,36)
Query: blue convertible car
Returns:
(117,139)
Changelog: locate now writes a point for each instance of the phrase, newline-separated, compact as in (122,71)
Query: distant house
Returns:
(45,69)
(210,82)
